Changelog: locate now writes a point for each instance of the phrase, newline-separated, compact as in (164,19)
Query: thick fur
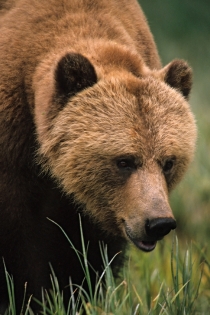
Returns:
(90,123)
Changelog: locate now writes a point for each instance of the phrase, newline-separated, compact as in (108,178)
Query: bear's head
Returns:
(117,142)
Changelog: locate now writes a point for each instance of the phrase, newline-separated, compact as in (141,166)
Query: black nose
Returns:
(157,228)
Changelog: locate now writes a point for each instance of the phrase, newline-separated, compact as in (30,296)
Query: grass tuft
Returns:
(167,281)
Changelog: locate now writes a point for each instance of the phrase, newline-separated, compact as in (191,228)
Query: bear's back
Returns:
(120,21)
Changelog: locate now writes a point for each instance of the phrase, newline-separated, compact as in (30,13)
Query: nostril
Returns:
(159,227)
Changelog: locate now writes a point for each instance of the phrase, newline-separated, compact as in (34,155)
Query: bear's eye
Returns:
(126,164)
(168,165)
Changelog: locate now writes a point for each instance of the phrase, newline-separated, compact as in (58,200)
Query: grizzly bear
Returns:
(90,124)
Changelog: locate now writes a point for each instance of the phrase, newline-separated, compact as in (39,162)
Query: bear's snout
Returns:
(159,227)
(154,230)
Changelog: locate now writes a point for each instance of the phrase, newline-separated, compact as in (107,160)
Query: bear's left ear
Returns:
(73,74)
(178,75)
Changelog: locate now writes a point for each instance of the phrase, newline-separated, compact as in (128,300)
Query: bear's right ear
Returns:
(178,75)
(73,74)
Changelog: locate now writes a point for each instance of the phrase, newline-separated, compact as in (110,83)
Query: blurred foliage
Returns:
(181,29)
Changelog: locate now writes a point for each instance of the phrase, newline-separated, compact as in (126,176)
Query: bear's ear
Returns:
(73,74)
(178,75)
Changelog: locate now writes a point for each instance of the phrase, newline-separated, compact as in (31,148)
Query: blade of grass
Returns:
(11,293)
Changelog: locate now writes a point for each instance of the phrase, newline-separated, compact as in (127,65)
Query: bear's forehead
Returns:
(150,104)
(118,122)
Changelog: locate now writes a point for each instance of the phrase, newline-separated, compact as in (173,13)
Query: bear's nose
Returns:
(159,227)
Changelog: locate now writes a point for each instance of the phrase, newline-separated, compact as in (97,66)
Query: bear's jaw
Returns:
(145,246)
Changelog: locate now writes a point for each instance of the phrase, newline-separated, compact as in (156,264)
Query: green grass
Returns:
(170,280)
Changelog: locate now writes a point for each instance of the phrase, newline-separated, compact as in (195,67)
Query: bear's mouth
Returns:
(146,246)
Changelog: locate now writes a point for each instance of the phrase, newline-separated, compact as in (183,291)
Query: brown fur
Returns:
(81,89)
